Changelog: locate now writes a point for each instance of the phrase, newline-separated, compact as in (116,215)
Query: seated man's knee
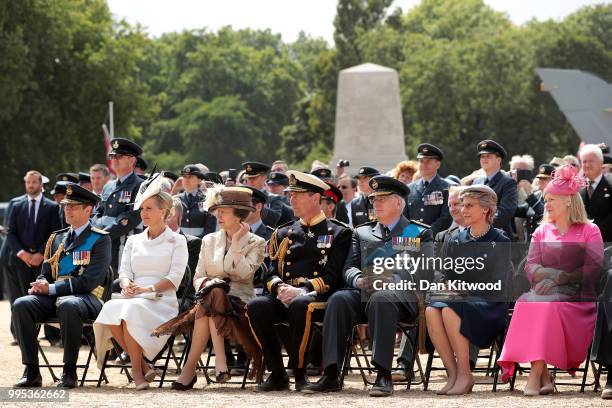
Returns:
(22,304)
(299,305)
(69,307)
(260,306)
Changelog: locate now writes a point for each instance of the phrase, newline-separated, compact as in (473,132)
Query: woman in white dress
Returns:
(232,253)
(152,262)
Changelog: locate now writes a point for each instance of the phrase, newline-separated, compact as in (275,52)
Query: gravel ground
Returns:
(119,393)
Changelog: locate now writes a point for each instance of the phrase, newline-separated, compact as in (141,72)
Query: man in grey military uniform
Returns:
(275,212)
(491,155)
(383,309)
(115,213)
(196,220)
(69,287)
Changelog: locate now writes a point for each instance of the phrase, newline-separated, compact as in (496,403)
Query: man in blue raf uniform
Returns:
(69,287)
(254,218)
(115,213)
(491,155)
(196,220)
(428,197)
(392,234)
(306,258)
(275,211)
(363,210)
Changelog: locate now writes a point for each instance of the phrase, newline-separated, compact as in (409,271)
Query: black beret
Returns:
(76,194)
(258,195)
(367,172)
(125,146)
(429,150)
(71,177)
(192,170)
(141,163)
(84,177)
(170,175)
(252,169)
(214,177)
(322,173)
(491,146)
(333,193)
(385,185)
(278,178)
(60,187)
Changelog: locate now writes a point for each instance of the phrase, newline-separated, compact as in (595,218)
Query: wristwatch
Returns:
(151,288)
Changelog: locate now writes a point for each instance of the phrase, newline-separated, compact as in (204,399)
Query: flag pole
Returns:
(111,119)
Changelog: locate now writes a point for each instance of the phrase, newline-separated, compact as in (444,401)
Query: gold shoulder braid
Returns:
(278,251)
(53,261)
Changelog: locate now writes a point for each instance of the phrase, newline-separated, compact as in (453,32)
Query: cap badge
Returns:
(483,145)
(361,171)
(115,144)
(68,190)
(187,170)
(425,150)
(64,178)
(292,180)
(375,184)
(249,168)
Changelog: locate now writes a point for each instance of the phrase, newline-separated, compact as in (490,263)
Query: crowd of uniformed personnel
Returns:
(316,223)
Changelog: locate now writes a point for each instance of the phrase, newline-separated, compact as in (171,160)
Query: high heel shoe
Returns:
(142,386)
(184,387)
(531,392)
(466,390)
(223,377)
(150,375)
(547,389)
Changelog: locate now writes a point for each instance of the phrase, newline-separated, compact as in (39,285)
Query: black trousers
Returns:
(346,308)
(30,310)
(18,278)
(265,312)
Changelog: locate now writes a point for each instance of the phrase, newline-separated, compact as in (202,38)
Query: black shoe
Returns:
(184,387)
(326,383)
(31,378)
(301,380)
(383,386)
(69,378)
(274,383)
(402,373)
(123,358)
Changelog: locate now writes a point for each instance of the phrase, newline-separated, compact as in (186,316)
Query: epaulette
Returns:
(285,224)
(366,223)
(420,224)
(338,222)
(99,231)
(61,230)
(269,228)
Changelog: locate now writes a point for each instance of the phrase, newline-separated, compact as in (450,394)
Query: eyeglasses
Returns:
(117,156)
(379,199)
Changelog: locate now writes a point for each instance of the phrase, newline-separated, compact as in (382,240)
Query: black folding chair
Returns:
(87,336)
(165,354)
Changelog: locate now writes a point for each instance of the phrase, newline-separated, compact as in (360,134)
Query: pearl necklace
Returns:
(481,235)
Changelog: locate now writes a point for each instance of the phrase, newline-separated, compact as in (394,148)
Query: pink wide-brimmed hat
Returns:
(565,181)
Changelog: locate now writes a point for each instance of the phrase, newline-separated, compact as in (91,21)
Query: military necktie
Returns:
(425,185)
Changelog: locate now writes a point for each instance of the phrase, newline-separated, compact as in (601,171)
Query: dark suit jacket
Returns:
(92,275)
(47,221)
(264,231)
(434,214)
(361,209)
(599,206)
(194,244)
(6,258)
(507,200)
(273,210)
(372,232)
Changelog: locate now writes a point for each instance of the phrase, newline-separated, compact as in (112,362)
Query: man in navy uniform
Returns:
(31,220)
(306,258)
(363,210)
(70,287)
(115,212)
(275,211)
(254,218)
(277,183)
(428,197)
(383,309)
(491,155)
(196,220)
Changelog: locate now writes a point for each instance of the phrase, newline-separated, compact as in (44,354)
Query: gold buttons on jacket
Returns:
(288,251)
(287,274)
(288,263)
(315,273)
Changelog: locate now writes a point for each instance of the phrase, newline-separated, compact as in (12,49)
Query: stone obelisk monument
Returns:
(369,127)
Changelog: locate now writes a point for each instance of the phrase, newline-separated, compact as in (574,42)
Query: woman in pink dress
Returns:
(553,323)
